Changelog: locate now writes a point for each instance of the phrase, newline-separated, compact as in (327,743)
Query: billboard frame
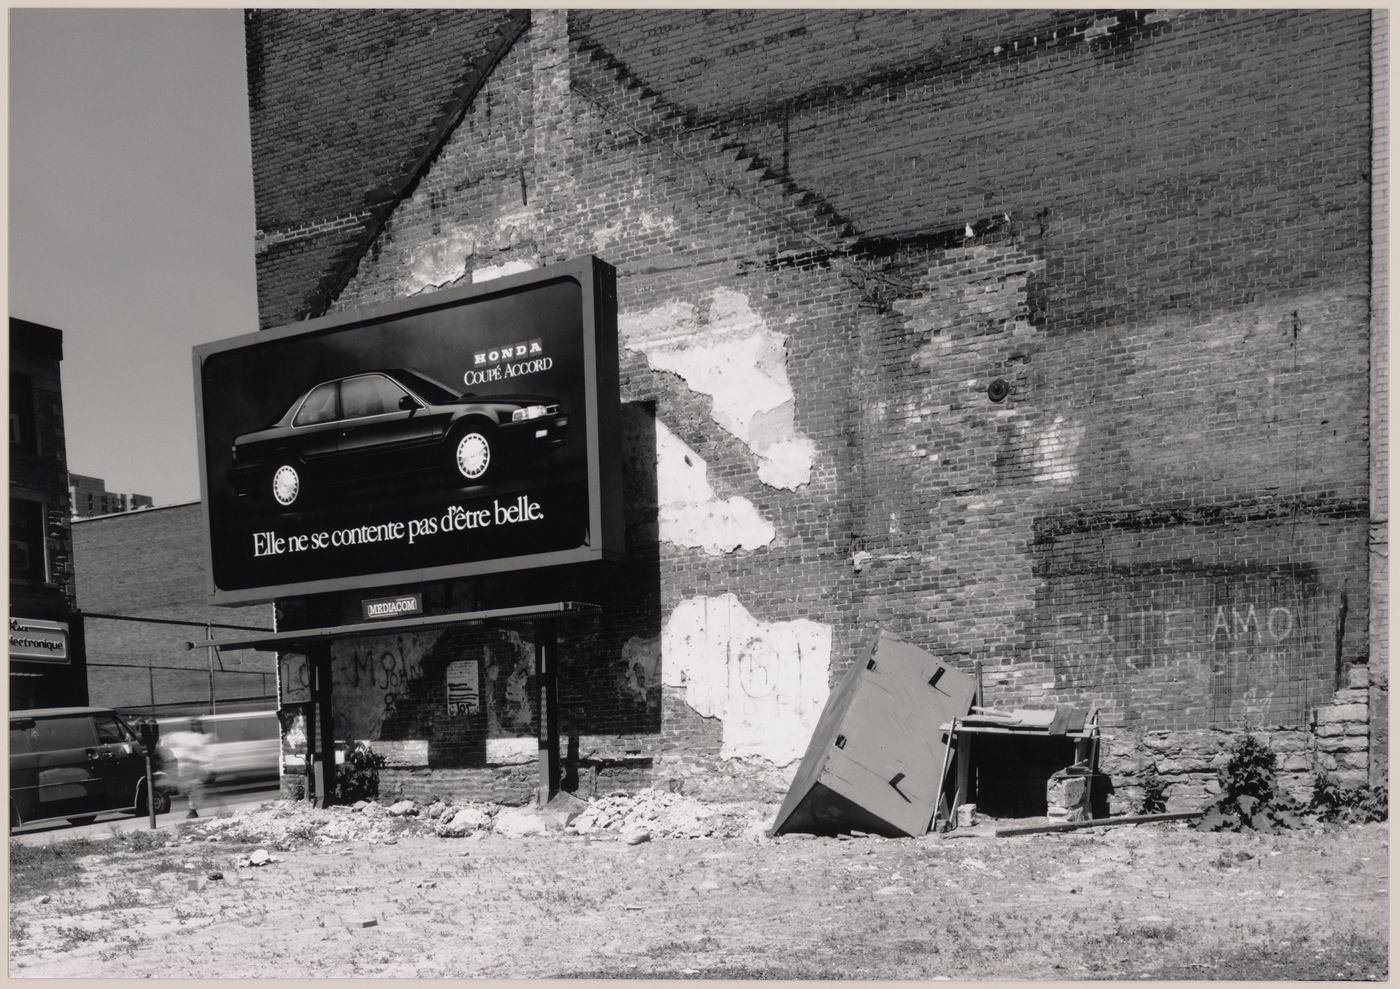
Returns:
(598,283)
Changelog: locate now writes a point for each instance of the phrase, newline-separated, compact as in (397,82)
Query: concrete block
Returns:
(516,822)
(1358,675)
(1355,760)
(1351,777)
(1359,695)
(1283,742)
(1343,743)
(463,822)
(1332,713)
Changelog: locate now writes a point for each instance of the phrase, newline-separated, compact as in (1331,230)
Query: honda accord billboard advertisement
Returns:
(471,432)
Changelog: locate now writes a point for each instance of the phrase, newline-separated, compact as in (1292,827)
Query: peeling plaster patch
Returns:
(766,682)
(638,672)
(439,261)
(729,353)
(501,270)
(625,226)
(689,514)
(510,750)
(445,258)
(1055,451)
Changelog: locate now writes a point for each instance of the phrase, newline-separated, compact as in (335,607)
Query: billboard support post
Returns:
(321,734)
(546,672)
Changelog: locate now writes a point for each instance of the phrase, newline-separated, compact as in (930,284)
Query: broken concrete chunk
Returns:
(260,857)
(516,822)
(463,822)
(404,808)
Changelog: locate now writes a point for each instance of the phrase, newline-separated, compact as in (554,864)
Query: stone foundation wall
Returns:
(1192,762)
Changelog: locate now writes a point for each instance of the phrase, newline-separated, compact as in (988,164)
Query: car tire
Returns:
(285,484)
(472,452)
(84,819)
(162,801)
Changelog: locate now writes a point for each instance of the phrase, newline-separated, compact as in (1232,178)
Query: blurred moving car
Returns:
(240,747)
(76,763)
(384,424)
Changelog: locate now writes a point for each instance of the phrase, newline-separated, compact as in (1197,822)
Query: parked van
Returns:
(76,763)
(239,747)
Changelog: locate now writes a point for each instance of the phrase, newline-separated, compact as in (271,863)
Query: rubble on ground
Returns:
(630,817)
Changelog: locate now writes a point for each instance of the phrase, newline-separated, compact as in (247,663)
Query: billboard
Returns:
(470,432)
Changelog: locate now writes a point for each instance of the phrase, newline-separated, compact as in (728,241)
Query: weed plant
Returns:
(1349,805)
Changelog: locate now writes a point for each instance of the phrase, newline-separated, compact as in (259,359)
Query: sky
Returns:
(131,222)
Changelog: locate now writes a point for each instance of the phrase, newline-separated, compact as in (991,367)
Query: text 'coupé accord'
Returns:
(385,423)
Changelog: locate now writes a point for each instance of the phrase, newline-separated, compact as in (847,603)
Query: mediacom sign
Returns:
(471,433)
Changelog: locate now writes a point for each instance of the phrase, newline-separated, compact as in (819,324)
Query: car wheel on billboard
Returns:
(286,485)
(472,452)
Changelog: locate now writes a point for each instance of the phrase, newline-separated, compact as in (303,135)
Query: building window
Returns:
(23,438)
(28,561)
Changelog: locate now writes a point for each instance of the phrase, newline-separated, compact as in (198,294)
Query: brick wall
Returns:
(1164,518)
(1380,394)
(151,564)
(42,581)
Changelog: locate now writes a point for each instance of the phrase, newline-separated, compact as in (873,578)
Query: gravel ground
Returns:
(659,885)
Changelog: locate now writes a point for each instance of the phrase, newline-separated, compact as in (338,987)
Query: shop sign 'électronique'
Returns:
(471,431)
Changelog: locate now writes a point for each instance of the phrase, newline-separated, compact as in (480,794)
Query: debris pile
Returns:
(621,816)
(662,814)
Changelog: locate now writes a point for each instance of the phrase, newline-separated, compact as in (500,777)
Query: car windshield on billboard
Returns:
(451,435)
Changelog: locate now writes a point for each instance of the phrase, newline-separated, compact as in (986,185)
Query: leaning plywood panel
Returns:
(876,755)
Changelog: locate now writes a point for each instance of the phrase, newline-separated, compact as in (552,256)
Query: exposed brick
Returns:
(1160,518)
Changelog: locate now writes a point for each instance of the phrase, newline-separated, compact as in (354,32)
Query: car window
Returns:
(427,388)
(318,407)
(64,733)
(21,739)
(109,730)
(369,395)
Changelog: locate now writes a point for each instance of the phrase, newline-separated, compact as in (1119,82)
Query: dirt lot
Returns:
(643,893)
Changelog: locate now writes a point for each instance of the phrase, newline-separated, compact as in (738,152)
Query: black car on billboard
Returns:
(387,423)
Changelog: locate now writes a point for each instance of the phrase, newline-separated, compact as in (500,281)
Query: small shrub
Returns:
(1154,793)
(1251,771)
(1250,799)
(1350,805)
(358,777)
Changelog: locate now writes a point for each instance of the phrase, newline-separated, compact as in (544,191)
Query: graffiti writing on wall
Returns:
(1255,654)
(370,678)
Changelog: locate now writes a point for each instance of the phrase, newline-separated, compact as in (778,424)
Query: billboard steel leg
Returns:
(546,668)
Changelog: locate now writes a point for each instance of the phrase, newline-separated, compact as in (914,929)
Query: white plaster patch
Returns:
(729,353)
(688,512)
(766,682)
(511,751)
(637,675)
(1055,452)
(624,226)
(439,261)
(501,270)
(401,752)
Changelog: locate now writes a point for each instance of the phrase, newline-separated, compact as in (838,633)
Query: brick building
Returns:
(1047,340)
(89,497)
(141,585)
(46,648)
